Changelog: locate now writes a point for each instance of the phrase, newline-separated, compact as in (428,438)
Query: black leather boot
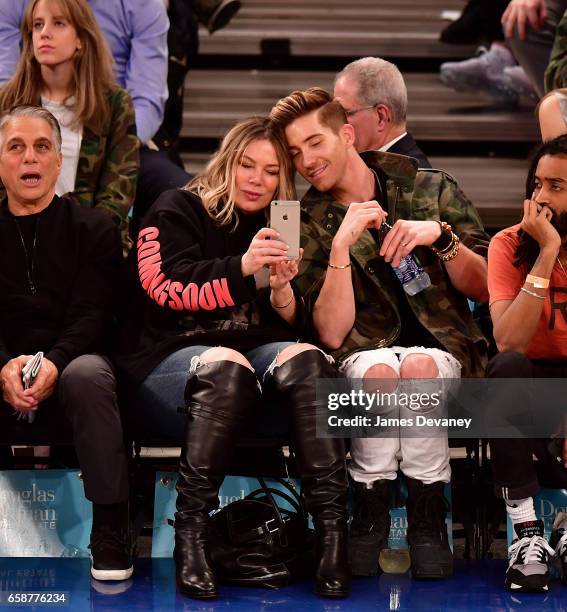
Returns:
(220,396)
(431,556)
(322,467)
(370,526)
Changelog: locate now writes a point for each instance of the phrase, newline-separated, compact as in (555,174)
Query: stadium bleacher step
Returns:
(333,28)
(216,99)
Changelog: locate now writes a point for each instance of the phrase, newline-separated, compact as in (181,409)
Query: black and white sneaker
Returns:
(528,569)
(111,554)
(558,542)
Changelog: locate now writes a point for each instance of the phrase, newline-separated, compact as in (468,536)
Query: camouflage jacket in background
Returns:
(556,72)
(107,170)
(441,309)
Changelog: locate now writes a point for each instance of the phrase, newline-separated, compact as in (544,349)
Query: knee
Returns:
(87,372)
(380,370)
(380,377)
(302,362)
(419,365)
(509,365)
(221,353)
(293,350)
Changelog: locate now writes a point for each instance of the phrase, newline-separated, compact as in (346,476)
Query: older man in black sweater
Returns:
(58,271)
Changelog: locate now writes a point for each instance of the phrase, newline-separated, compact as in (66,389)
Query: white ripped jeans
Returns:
(425,459)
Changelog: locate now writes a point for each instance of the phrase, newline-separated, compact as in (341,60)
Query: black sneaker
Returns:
(430,553)
(528,568)
(111,554)
(369,528)
(558,542)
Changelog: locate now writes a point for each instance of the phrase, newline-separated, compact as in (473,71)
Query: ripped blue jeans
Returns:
(162,392)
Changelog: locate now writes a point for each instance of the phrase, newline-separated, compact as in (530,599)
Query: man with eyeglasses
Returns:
(373,93)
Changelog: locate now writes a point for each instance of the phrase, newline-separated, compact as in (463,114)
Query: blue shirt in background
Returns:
(136,31)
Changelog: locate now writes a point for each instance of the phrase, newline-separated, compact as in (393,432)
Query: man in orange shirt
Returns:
(527,282)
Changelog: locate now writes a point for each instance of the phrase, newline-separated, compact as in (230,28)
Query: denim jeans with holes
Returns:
(162,392)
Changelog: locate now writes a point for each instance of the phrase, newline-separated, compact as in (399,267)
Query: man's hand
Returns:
(404,236)
(264,250)
(12,388)
(359,216)
(45,382)
(536,222)
(519,12)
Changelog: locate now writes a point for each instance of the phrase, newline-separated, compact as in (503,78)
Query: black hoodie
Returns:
(189,288)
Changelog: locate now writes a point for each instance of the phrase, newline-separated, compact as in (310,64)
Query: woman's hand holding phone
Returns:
(265,250)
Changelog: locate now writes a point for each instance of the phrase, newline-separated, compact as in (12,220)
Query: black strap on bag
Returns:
(255,542)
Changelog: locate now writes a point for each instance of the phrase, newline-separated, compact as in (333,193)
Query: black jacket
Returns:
(408,146)
(57,296)
(189,289)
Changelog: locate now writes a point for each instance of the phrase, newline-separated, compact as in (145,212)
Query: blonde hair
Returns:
(93,74)
(299,103)
(216,185)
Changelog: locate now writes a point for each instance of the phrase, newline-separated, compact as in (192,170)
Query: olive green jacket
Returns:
(108,162)
(556,72)
(441,309)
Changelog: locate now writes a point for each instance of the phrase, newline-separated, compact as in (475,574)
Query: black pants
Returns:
(86,399)
(515,475)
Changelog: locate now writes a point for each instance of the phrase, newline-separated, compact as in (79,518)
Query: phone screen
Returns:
(285,219)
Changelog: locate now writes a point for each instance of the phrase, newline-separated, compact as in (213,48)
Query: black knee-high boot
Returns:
(322,466)
(220,396)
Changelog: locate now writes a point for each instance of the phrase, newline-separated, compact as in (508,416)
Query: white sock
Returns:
(521,510)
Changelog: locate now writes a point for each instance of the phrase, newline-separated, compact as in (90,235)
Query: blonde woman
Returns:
(211,325)
(65,66)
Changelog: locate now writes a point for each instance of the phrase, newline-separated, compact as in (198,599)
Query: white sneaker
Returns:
(482,74)
(558,541)
(518,83)
(528,570)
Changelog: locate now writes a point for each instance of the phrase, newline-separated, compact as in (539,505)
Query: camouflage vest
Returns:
(441,309)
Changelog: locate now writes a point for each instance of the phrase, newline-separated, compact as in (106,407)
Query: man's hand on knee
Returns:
(45,382)
(13,391)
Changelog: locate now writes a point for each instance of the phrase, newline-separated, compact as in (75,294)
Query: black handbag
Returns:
(255,542)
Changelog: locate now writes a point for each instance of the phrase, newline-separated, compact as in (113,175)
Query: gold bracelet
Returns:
(541,297)
(285,305)
(453,252)
(537,281)
(339,267)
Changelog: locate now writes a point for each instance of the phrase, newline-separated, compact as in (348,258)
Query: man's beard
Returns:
(559,222)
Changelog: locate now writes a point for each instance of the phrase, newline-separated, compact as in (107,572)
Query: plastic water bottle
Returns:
(409,272)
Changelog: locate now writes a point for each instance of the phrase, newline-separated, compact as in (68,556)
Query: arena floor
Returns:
(477,585)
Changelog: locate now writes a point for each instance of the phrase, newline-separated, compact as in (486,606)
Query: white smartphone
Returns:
(285,218)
